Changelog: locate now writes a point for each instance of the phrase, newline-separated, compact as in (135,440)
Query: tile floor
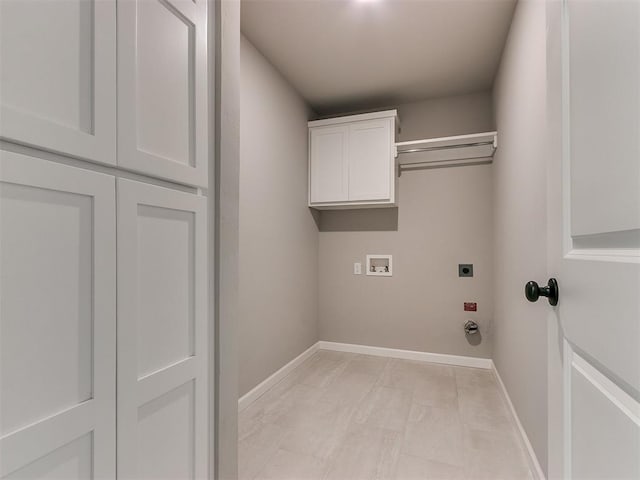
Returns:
(342,416)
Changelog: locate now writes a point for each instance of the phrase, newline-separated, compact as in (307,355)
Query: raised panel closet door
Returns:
(58,76)
(371,169)
(57,321)
(162,89)
(162,333)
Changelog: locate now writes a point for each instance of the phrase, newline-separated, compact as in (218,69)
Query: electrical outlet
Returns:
(357,268)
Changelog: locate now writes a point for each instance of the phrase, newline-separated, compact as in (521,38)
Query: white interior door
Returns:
(57,321)
(371,170)
(57,76)
(594,249)
(162,88)
(329,169)
(162,333)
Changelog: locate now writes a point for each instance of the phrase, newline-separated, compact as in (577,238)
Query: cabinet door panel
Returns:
(162,89)
(370,165)
(57,320)
(57,76)
(162,333)
(329,167)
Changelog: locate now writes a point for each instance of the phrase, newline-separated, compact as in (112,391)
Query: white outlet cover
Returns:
(357,268)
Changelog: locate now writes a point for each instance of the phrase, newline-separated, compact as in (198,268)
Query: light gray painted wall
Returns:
(444,218)
(227,134)
(520,341)
(278,256)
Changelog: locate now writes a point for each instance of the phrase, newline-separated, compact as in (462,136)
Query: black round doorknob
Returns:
(533,291)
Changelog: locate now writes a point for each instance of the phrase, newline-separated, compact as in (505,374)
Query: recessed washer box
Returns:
(380,265)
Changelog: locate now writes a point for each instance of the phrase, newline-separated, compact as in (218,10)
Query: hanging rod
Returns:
(450,162)
(446,147)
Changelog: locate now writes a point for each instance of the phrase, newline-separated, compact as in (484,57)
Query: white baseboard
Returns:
(458,360)
(260,389)
(533,459)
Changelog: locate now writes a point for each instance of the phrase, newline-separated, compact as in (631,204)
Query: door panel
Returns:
(329,164)
(370,171)
(57,76)
(594,241)
(615,425)
(162,333)
(57,319)
(170,417)
(604,125)
(70,462)
(162,88)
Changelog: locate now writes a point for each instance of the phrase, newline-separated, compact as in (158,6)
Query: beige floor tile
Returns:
(483,407)
(366,453)
(415,468)
(494,455)
(292,466)
(436,391)
(307,415)
(321,369)
(342,416)
(385,408)
(400,374)
(256,449)
(322,437)
(434,434)
(367,365)
(349,388)
(475,377)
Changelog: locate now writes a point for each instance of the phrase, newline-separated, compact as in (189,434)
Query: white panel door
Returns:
(162,88)
(594,242)
(371,168)
(329,169)
(58,76)
(162,333)
(57,321)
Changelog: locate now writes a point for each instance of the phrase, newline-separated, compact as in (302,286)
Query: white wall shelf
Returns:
(446,151)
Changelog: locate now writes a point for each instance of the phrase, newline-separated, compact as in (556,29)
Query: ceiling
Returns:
(346,55)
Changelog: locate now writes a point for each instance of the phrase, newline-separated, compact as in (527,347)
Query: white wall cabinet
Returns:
(162,333)
(80,398)
(162,89)
(57,81)
(57,320)
(352,161)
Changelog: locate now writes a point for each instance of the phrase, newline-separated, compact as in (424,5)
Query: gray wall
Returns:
(227,143)
(278,291)
(520,340)
(444,218)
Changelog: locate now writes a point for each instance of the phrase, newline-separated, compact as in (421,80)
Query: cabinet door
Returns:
(162,333)
(58,76)
(57,321)
(162,89)
(371,166)
(329,168)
